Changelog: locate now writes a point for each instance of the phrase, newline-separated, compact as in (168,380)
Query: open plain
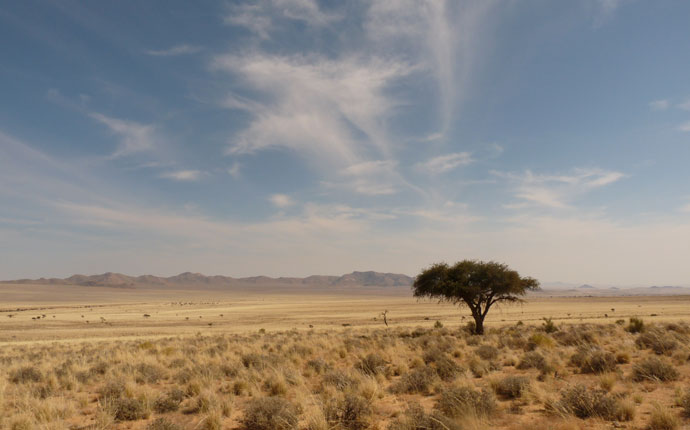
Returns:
(322,358)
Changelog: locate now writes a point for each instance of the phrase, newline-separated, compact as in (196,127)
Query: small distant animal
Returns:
(147,316)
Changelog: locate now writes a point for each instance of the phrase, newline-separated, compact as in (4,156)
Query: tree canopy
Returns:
(476,284)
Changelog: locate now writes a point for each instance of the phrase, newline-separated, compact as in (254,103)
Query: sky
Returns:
(299,137)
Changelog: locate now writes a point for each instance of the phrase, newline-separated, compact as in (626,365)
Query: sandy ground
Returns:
(67,313)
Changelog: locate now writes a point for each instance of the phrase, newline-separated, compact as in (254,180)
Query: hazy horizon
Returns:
(300,137)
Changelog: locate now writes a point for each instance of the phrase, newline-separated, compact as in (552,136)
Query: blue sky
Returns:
(297,137)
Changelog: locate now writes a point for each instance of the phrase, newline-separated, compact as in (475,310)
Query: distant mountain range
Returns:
(365,279)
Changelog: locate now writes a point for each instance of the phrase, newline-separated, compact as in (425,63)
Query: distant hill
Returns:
(366,279)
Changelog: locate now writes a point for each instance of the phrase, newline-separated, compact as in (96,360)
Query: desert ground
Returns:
(110,358)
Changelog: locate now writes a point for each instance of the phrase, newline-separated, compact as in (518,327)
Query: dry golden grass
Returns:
(515,377)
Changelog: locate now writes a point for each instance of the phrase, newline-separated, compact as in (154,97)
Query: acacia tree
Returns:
(476,284)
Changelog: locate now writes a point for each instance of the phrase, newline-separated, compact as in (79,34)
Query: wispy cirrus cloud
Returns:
(134,137)
(281,200)
(183,175)
(445,163)
(327,110)
(262,18)
(556,191)
(183,49)
(684,127)
(446,38)
(662,104)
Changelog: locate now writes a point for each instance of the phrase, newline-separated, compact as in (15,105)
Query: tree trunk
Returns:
(478,324)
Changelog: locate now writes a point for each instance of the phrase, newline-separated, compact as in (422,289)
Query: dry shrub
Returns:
(372,364)
(149,373)
(575,336)
(318,365)
(417,381)
(339,380)
(163,424)
(662,419)
(211,421)
(351,412)
(415,418)
(511,387)
(487,352)
(270,413)
(169,402)
(26,374)
(445,367)
(593,360)
(533,360)
(657,341)
(636,325)
(460,401)
(126,409)
(586,403)
(112,390)
(654,369)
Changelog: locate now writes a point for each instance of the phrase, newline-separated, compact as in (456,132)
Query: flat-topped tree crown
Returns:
(476,284)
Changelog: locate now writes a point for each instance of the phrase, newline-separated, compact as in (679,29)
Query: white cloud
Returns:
(281,200)
(182,175)
(557,191)
(176,50)
(659,104)
(263,17)
(445,163)
(372,177)
(444,37)
(331,111)
(684,106)
(134,137)
(684,127)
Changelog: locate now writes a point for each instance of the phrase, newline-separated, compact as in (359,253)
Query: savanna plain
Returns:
(315,359)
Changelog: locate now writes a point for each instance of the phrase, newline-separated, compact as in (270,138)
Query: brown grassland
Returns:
(325,360)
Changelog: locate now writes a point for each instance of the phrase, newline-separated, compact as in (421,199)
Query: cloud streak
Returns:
(556,191)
